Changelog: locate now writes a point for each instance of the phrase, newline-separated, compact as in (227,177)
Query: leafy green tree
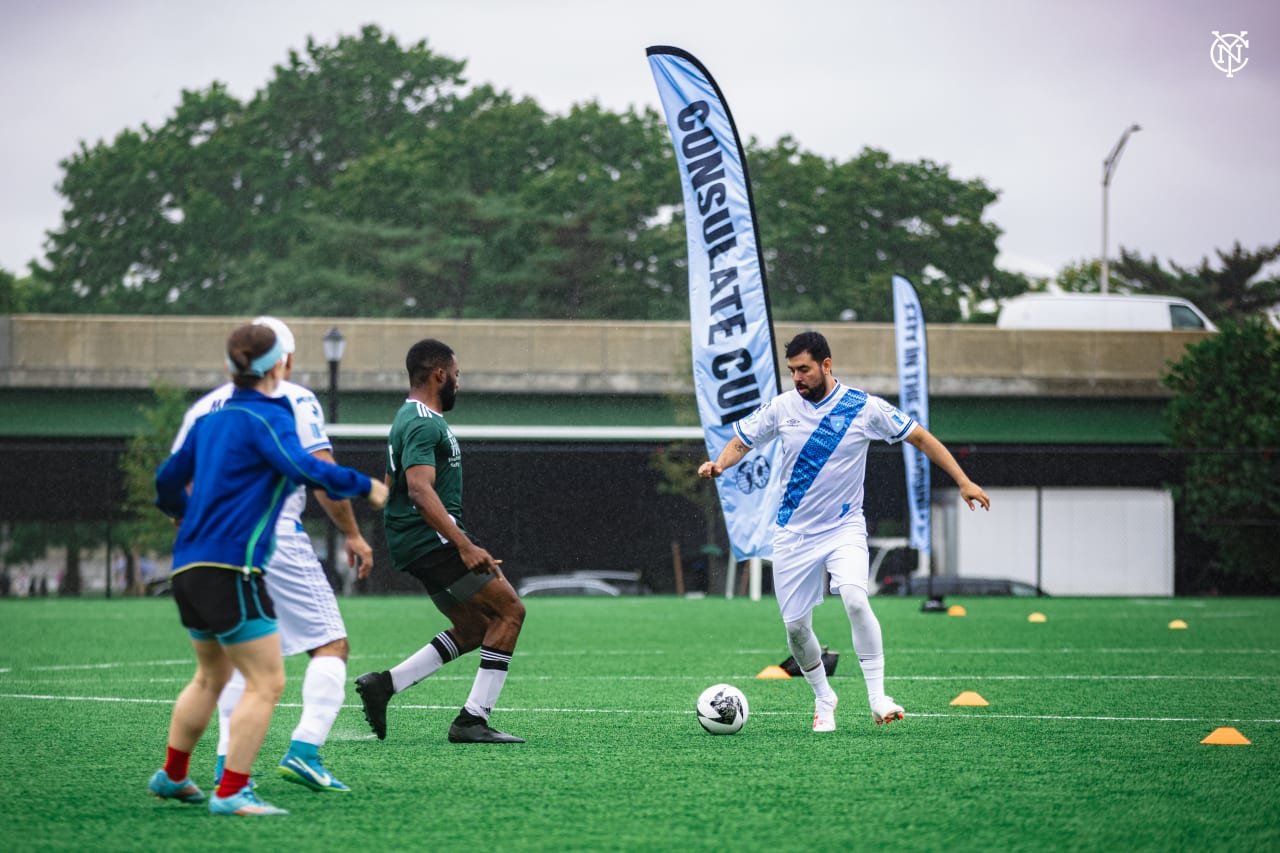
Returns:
(182,219)
(605,250)
(834,233)
(148,530)
(1226,416)
(1231,290)
(366,178)
(11,296)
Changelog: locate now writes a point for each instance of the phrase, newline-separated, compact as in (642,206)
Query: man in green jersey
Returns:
(427,539)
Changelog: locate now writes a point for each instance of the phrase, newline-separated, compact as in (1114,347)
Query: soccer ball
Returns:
(722,709)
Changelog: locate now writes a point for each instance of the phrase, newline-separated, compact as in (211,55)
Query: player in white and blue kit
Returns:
(825,429)
(306,607)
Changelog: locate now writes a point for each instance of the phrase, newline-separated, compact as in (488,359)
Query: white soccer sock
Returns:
(805,648)
(867,641)
(323,689)
(488,684)
(422,663)
(227,701)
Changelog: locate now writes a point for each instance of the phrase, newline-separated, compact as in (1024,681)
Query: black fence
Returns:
(552,507)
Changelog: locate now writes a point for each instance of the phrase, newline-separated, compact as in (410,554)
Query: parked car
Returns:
(607,583)
(565,585)
(919,585)
(1094,311)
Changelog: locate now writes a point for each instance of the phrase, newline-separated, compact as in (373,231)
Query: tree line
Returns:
(368,179)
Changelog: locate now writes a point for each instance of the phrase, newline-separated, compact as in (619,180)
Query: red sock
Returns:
(232,783)
(176,763)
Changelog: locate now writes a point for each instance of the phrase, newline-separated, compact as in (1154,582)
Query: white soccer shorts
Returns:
(799,561)
(306,608)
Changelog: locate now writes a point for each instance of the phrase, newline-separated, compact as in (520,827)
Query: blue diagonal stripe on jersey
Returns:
(817,450)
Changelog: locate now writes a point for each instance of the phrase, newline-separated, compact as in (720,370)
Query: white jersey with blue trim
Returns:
(824,458)
(307,414)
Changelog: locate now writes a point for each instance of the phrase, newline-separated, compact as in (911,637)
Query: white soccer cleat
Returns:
(885,710)
(824,713)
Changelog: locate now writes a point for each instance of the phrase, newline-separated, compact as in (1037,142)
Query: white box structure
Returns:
(1069,541)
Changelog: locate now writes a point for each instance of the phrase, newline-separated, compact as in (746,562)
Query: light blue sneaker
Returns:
(165,788)
(245,803)
(309,771)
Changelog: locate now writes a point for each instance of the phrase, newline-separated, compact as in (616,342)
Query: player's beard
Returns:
(448,394)
(813,393)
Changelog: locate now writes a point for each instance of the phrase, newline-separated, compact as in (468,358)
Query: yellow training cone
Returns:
(1227,736)
(968,697)
(773,672)
(1178,625)
(956,610)
(1037,617)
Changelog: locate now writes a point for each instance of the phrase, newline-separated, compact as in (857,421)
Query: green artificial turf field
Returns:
(1091,739)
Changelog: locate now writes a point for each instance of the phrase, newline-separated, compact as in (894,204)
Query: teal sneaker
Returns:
(217,770)
(310,772)
(165,788)
(245,803)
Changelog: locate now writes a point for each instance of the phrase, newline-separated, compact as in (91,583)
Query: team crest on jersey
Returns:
(838,422)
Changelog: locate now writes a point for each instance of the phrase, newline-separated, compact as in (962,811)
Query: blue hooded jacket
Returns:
(242,461)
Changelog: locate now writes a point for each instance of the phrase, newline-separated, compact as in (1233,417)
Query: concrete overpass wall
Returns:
(553,357)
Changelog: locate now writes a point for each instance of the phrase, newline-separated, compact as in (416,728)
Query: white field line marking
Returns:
(469,677)
(115,665)
(190,662)
(977,715)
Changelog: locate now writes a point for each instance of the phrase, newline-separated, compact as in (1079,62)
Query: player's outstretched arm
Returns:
(731,455)
(937,452)
(359,552)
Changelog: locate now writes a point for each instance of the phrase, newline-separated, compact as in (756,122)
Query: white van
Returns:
(1094,311)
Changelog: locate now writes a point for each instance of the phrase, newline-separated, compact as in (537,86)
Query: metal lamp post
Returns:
(1108,168)
(335,343)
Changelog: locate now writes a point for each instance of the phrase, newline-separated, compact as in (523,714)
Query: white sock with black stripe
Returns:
(424,662)
(489,680)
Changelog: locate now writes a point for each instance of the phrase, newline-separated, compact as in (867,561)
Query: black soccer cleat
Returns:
(375,691)
(468,728)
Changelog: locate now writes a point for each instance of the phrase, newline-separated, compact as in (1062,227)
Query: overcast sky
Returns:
(1028,95)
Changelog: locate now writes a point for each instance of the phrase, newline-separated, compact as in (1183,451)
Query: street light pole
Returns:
(335,343)
(1109,167)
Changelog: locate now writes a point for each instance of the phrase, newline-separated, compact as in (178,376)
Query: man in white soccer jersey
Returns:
(825,429)
(306,608)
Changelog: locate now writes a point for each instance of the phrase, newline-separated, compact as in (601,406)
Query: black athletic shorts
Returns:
(446,578)
(223,604)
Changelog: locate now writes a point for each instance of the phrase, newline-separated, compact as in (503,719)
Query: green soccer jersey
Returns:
(419,436)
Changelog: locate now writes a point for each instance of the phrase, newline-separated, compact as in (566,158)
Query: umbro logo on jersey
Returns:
(791,422)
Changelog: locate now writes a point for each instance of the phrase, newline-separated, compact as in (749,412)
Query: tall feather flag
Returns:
(735,361)
(913,399)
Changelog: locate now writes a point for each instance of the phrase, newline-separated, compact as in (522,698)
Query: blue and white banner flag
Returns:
(735,367)
(913,399)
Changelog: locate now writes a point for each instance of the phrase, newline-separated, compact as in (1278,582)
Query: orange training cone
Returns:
(1178,625)
(773,671)
(1227,736)
(1037,617)
(956,610)
(968,697)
